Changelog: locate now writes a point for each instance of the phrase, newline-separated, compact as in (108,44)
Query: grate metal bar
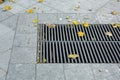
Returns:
(69,33)
(88,52)
(55,44)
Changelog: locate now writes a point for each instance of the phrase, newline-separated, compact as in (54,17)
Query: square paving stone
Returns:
(47,18)
(66,18)
(23,55)
(78,72)
(26,19)
(25,40)
(26,29)
(3,70)
(4,15)
(104,71)
(50,72)
(11,22)
(21,72)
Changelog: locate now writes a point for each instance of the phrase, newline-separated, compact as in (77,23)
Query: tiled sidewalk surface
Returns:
(18,37)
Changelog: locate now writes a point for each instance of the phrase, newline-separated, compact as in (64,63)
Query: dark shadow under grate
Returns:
(56,44)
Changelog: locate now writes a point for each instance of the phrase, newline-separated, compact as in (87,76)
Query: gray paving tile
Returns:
(90,18)
(4,15)
(106,71)
(41,8)
(26,19)
(78,72)
(11,22)
(26,3)
(3,70)
(5,56)
(106,18)
(118,18)
(21,72)
(23,55)
(6,41)
(50,72)
(113,77)
(17,9)
(28,40)
(47,18)
(26,29)
(62,18)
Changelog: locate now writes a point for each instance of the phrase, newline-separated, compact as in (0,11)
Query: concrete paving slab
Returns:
(91,18)
(50,72)
(25,40)
(62,18)
(25,3)
(47,18)
(26,29)
(21,72)
(23,55)
(6,41)
(3,70)
(11,22)
(104,18)
(106,71)
(78,72)
(17,9)
(41,8)
(4,15)
(5,56)
(26,19)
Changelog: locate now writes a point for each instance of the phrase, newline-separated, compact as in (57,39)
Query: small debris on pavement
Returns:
(1,1)
(7,7)
(73,56)
(114,13)
(40,1)
(77,7)
(30,11)
(60,19)
(11,0)
(75,22)
(80,34)
(44,60)
(116,25)
(35,20)
(108,33)
(67,17)
(86,24)
(50,25)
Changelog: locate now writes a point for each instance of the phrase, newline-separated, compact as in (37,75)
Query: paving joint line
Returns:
(12,48)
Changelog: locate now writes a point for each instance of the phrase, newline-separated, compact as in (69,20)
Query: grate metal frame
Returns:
(55,44)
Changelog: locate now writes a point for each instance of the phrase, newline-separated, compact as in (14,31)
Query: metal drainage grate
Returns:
(55,44)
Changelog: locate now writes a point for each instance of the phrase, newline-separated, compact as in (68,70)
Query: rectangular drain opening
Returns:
(56,44)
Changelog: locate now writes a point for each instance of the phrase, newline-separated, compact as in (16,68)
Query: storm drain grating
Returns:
(56,44)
